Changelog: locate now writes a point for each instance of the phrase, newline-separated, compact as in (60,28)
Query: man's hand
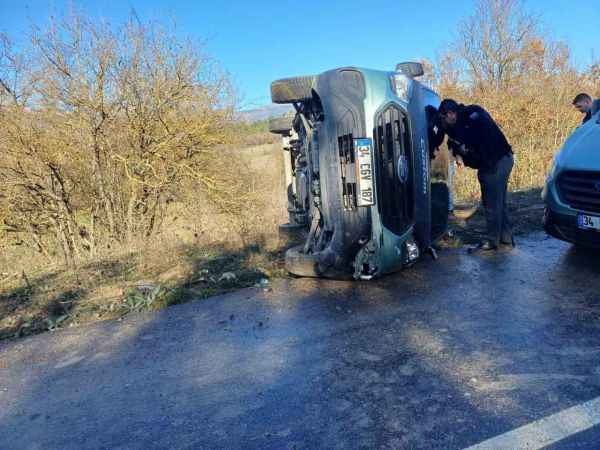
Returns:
(458,149)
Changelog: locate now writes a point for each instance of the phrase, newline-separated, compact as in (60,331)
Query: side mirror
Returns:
(410,69)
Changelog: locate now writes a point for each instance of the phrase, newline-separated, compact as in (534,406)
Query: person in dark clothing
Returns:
(583,103)
(435,130)
(474,137)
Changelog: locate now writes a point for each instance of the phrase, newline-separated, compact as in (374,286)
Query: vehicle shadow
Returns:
(582,258)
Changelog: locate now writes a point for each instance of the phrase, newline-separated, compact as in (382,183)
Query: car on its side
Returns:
(357,162)
(572,191)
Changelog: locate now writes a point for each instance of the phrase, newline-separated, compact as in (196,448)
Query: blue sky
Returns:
(259,41)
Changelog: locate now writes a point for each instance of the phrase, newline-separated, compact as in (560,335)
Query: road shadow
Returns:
(443,355)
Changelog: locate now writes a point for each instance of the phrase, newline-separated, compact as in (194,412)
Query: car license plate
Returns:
(588,222)
(364,172)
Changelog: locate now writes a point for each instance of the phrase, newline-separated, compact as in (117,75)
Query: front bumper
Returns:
(564,227)
(560,220)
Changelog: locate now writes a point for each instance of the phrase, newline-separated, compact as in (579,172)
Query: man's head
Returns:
(582,103)
(448,112)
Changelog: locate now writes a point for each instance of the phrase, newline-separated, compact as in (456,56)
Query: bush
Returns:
(100,129)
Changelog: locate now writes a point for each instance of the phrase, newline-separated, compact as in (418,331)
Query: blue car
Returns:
(572,190)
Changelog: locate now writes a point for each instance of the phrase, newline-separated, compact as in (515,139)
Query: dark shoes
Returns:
(482,247)
(508,240)
(487,246)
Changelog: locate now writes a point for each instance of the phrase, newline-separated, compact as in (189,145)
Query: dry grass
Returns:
(145,279)
(202,252)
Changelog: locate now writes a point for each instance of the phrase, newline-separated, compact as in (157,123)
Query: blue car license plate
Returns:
(588,222)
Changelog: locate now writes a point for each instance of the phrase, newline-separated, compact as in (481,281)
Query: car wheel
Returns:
(291,234)
(301,264)
(280,125)
(291,90)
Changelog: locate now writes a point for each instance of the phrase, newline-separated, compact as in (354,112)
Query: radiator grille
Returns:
(580,190)
(392,144)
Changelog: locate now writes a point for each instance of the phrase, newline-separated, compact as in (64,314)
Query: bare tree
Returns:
(101,125)
(593,78)
(493,41)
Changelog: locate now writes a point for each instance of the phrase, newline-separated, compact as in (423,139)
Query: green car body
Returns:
(572,190)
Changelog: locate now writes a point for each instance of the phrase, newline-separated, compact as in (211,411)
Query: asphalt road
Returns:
(447,354)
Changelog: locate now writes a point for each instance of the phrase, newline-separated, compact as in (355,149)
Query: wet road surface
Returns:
(448,354)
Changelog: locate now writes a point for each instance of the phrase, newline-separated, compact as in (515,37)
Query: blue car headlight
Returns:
(552,171)
(549,179)
(401,85)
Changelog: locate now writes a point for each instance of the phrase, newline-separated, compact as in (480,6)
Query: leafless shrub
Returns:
(102,126)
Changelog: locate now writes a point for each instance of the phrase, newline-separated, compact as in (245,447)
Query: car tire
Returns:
(301,264)
(291,90)
(280,125)
(291,234)
(291,227)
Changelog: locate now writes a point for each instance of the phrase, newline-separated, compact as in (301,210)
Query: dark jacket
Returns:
(435,130)
(484,141)
(588,116)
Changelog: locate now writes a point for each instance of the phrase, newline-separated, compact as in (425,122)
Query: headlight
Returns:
(401,85)
(412,250)
(552,171)
(549,178)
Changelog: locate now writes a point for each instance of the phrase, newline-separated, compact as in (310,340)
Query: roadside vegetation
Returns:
(504,59)
(127,184)
(125,181)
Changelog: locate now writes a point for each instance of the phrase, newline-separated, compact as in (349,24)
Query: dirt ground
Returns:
(467,225)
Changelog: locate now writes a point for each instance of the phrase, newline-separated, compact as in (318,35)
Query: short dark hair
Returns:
(582,98)
(448,105)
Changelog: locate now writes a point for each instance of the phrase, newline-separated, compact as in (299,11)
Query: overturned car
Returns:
(358,176)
